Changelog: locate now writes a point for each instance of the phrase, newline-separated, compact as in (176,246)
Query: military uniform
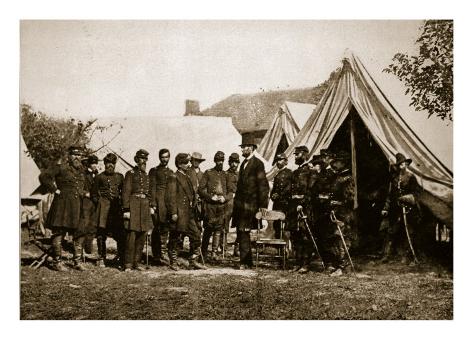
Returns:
(402,185)
(321,192)
(136,198)
(281,195)
(213,183)
(68,184)
(342,195)
(87,227)
(232,181)
(106,194)
(181,201)
(300,196)
(159,177)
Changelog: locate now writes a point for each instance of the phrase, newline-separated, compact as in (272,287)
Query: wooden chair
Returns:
(279,244)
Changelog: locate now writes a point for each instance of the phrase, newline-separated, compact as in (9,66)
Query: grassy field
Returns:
(381,291)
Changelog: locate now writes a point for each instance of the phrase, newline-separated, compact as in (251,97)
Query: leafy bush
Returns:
(429,75)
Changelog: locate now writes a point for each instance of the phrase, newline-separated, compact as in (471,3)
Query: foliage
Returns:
(429,75)
(48,138)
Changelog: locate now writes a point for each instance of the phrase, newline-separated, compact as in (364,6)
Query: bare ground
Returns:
(391,291)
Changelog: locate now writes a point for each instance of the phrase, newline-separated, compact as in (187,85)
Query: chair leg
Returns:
(257,256)
(284,258)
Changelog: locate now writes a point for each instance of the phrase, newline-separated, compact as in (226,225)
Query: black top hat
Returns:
(110,158)
(248,140)
(400,158)
(234,157)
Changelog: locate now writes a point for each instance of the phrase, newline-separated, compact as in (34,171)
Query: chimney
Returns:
(192,108)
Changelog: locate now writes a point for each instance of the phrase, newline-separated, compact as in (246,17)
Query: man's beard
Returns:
(219,167)
(164,162)
(142,167)
(300,160)
(76,163)
(110,169)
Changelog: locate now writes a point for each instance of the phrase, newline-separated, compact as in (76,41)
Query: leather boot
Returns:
(193,264)
(57,265)
(78,264)
(173,260)
(215,243)
(236,250)
(387,251)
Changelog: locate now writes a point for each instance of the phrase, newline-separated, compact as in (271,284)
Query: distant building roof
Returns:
(254,112)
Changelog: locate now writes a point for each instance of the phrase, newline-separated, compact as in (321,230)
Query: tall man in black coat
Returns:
(251,195)
(67,182)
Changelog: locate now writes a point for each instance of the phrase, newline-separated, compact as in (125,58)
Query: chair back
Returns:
(271,215)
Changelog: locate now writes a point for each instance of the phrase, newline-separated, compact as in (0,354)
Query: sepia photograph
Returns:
(236,169)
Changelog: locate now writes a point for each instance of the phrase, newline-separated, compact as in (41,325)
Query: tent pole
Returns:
(354,177)
(353,161)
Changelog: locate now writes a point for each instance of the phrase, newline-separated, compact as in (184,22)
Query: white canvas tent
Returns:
(354,88)
(187,134)
(33,207)
(29,172)
(286,124)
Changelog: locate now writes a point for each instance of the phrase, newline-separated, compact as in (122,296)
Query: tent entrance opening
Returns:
(372,178)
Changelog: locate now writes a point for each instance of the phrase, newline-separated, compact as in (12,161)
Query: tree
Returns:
(429,75)
(48,138)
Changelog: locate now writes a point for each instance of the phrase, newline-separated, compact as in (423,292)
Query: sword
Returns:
(404,216)
(334,219)
(147,253)
(304,218)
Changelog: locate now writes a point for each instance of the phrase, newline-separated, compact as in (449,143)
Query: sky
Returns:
(149,68)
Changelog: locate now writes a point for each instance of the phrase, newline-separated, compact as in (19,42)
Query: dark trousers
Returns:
(193,232)
(159,241)
(56,241)
(135,242)
(303,247)
(246,257)
(89,242)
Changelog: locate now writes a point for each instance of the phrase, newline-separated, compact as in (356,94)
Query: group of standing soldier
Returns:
(317,199)
(166,204)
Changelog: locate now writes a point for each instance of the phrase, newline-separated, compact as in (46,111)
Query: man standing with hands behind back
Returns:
(250,197)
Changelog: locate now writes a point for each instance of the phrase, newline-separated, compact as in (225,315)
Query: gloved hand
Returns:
(299,208)
(174,217)
(214,198)
(221,199)
(384,213)
(57,192)
(126,215)
(151,210)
